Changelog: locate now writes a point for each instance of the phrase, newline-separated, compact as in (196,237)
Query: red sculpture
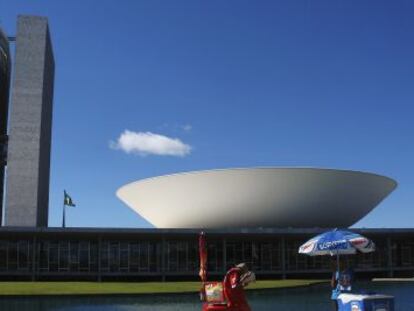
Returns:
(228,295)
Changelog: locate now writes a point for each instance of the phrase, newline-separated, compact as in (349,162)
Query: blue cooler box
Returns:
(358,302)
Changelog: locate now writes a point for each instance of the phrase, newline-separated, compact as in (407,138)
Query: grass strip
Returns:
(117,288)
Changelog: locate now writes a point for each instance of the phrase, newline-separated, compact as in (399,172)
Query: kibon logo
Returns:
(333,245)
(355,307)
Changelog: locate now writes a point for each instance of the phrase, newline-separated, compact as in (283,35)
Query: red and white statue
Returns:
(228,295)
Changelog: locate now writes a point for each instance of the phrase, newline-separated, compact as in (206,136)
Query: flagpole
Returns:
(63,219)
(63,216)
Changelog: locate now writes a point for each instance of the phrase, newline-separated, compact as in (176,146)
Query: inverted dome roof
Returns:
(257,197)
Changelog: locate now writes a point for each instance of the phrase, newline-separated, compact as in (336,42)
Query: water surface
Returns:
(314,298)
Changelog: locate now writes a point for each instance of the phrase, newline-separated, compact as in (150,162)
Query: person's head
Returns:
(242,267)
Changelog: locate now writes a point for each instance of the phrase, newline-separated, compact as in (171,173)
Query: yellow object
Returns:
(214,292)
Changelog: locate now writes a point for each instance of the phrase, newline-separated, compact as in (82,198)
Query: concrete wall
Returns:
(27,193)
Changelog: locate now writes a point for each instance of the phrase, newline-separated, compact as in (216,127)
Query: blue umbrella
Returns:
(337,242)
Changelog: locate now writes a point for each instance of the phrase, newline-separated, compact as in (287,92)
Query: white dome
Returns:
(257,197)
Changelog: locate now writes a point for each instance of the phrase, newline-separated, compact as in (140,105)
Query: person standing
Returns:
(341,282)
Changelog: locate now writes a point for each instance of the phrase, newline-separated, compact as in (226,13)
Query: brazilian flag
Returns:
(67,200)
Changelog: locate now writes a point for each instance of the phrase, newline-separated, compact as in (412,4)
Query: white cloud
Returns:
(146,143)
(187,127)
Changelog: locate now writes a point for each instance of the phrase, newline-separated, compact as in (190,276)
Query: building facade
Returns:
(154,254)
(29,137)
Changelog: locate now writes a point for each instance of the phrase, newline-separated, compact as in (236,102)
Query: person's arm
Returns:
(333,280)
(333,269)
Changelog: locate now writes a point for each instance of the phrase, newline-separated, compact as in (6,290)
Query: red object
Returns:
(233,294)
(226,296)
(217,307)
(202,248)
(234,291)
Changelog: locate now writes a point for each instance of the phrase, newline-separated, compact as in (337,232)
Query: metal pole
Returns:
(337,261)
(64,214)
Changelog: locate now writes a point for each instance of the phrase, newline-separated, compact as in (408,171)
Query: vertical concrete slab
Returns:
(28,167)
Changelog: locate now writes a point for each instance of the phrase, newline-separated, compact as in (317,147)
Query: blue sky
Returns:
(236,83)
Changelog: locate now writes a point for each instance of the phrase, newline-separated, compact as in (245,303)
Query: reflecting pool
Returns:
(304,299)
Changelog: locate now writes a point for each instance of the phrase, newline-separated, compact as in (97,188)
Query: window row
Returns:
(150,256)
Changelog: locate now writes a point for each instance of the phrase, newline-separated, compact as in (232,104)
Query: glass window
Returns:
(63,255)
(104,256)
(43,253)
(23,255)
(144,256)
(134,256)
(12,256)
(53,256)
(114,256)
(84,256)
(124,256)
(93,256)
(3,255)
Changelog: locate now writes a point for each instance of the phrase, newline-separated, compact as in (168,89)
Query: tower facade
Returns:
(29,143)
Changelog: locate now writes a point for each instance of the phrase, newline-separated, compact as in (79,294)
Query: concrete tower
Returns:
(28,166)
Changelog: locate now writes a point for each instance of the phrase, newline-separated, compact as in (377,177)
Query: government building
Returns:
(172,254)
(259,216)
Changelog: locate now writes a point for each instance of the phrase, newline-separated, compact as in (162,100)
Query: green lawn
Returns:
(105,288)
